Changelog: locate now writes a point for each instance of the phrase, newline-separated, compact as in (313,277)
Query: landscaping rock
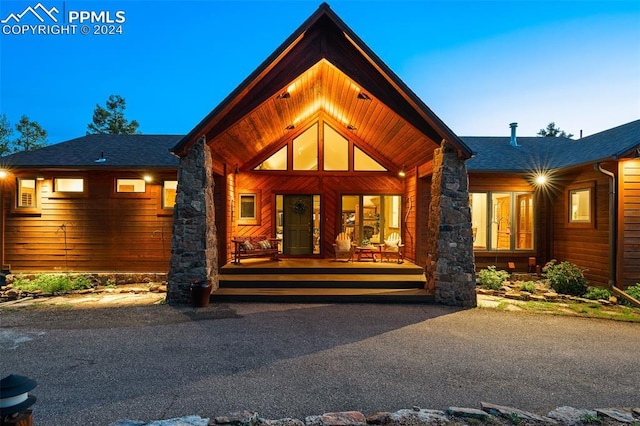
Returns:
(407,416)
(509,412)
(181,421)
(346,418)
(551,296)
(379,418)
(471,413)
(281,422)
(313,421)
(571,416)
(617,414)
(240,418)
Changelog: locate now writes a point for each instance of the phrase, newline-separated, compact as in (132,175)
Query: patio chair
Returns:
(392,248)
(344,247)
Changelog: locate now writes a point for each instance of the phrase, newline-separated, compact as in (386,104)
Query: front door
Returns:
(298,225)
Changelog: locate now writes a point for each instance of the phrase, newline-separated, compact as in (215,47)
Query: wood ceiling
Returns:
(323,67)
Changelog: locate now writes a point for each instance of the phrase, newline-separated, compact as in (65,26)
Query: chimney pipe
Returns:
(513,141)
(580,133)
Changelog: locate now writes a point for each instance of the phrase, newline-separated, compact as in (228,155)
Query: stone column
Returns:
(450,267)
(194,254)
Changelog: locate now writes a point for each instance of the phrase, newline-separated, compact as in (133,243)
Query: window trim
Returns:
(584,185)
(256,219)
(512,225)
(37,208)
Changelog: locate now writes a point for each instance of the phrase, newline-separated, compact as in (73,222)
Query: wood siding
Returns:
(586,246)
(629,224)
(104,231)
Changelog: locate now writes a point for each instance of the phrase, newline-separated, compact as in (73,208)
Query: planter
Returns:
(200,293)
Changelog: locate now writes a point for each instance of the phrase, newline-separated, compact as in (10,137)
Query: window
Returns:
(502,220)
(277,161)
(305,150)
(336,150)
(370,219)
(248,209)
(131,185)
(26,194)
(68,185)
(362,162)
(169,188)
(580,205)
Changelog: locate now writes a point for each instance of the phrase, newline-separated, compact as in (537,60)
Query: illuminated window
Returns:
(502,220)
(305,150)
(248,209)
(336,150)
(26,193)
(370,219)
(580,205)
(277,161)
(130,185)
(169,193)
(68,185)
(363,163)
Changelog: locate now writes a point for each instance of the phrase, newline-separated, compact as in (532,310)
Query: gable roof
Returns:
(120,151)
(331,65)
(495,154)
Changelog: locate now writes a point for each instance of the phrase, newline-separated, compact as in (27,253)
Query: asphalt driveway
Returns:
(96,366)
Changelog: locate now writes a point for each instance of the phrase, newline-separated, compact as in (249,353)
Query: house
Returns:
(98,203)
(558,198)
(323,138)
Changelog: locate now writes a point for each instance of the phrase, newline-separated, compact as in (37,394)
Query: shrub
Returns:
(634,291)
(597,293)
(492,279)
(49,283)
(528,286)
(566,278)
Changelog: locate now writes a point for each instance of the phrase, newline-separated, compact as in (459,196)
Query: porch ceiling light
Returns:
(363,96)
(147,178)
(290,127)
(284,95)
(3,174)
(402,173)
(541,179)
(351,127)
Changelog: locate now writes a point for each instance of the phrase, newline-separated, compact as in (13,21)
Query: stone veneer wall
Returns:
(194,254)
(450,268)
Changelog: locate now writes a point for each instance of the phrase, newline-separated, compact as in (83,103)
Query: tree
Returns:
(5,134)
(32,135)
(110,120)
(552,131)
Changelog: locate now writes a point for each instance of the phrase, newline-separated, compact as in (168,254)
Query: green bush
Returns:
(49,283)
(566,278)
(597,293)
(528,286)
(634,291)
(492,279)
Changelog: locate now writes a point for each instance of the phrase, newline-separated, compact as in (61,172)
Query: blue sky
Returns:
(479,65)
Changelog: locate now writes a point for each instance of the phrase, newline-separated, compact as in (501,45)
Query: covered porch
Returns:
(323,139)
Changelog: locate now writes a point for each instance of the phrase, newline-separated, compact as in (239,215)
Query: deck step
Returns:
(321,281)
(323,295)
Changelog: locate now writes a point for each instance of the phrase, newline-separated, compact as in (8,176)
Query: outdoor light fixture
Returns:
(541,179)
(351,127)
(284,95)
(147,178)
(3,174)
(40,177)
(402,173)
(237,170)
(290,127)
(363,96)
(15,397)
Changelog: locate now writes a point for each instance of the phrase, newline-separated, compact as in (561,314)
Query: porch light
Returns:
(290,127)
(363,96)
(351,127)
(541,180)
(40,177)
(402,173)
(284,95)
(236,170)
(147,178)
(3,174)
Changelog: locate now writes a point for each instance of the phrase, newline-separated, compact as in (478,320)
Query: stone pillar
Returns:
(450,268)
(194,254)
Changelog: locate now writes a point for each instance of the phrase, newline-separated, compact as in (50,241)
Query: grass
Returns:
(585,310)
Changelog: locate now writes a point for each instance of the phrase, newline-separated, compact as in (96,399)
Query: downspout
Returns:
(613,224)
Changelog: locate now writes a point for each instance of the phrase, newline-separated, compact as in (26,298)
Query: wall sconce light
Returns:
(290,127)
(236,170)
(284,95)
(147,178)
(363,96)
(40,177)
(351,127)
(402,173)
(3,174)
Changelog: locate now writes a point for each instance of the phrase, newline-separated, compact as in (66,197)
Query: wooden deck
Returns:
(322,280)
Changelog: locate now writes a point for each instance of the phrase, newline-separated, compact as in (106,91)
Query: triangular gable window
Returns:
(363,163)
(277,161)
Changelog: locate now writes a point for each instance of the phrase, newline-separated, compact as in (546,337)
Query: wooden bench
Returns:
(245,247)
